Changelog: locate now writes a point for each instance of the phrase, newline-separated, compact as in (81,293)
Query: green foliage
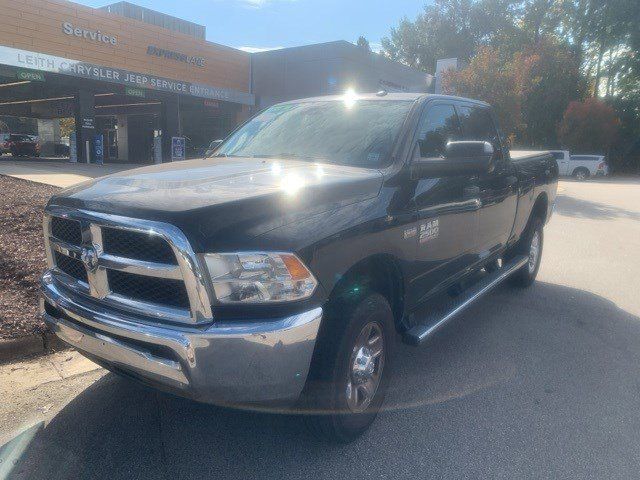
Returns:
(490,79)
(549,80)
(67,125)
(624,154)
(363,43)
(529,90)
(546,53)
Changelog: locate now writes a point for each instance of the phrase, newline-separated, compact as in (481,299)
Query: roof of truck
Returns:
(406,96)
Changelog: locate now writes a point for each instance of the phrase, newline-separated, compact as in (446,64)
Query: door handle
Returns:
(512,180)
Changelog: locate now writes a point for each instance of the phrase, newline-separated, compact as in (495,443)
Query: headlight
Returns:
(259,277)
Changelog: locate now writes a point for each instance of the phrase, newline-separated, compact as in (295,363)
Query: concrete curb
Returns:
(39,344)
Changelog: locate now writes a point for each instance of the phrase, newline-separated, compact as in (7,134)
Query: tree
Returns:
(67,125)
(590,126)
(549,78)
(490,79)
(443,30)
(548,53)
(364,44)
(529,90)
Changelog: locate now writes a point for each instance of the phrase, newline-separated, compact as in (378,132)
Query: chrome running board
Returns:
(440,316)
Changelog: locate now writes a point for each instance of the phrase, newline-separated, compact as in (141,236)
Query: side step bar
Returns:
(436,319)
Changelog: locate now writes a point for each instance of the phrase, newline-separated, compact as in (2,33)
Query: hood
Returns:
(225,197)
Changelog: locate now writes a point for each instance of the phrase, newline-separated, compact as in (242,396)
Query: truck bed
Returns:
(517,155)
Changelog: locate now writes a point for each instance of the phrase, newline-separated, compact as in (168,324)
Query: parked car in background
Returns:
(61,150)
(4,143)
(596,164)
(23,145)
(580,167)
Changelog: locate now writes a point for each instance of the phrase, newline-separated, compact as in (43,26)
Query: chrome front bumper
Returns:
(233,363)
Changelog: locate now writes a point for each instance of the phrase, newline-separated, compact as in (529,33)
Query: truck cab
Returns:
(280,270)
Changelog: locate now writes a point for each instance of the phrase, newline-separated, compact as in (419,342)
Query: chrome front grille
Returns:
(131,244)
(141,266)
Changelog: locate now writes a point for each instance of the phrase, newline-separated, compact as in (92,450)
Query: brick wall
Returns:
(36,25)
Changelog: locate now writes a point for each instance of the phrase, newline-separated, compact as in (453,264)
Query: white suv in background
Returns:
(580,166)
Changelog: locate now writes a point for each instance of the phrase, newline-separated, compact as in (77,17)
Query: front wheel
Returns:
(350,370)
(531,246)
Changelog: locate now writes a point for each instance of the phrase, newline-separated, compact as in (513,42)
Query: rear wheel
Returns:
(581,174)
(531,246)
(350,370)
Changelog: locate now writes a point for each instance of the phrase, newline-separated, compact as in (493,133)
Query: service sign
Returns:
(50,63)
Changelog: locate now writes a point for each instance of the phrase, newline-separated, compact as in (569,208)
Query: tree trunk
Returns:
(610,75)
(596,90)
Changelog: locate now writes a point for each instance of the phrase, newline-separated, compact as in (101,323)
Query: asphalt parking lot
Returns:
(541,383)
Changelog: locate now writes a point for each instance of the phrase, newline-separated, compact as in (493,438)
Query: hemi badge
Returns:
(410,232)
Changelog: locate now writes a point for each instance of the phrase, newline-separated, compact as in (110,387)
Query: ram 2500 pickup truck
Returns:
(280,270)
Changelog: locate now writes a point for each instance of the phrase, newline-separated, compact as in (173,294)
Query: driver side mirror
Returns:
(460,158)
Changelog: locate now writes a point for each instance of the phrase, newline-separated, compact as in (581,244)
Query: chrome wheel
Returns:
(581,175)
(365,367)
(534,251)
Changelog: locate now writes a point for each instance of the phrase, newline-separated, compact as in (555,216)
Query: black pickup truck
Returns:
(280,270)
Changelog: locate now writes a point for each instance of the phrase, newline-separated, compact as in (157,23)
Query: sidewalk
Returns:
(35,389)
(58,173)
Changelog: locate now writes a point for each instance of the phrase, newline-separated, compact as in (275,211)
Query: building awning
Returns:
(76,68)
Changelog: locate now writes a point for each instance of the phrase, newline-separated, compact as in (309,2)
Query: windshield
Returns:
(359,133)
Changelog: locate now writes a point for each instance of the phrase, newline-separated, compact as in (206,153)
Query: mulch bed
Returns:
(22,257)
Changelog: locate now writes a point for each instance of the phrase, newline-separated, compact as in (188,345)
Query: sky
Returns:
(266,24)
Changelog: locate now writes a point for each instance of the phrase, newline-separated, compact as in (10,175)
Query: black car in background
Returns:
(23,145)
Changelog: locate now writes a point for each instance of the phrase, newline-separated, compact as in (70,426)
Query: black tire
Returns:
(325,400)
(581,174)
(526,275)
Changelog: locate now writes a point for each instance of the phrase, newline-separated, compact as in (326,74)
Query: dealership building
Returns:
(135,80)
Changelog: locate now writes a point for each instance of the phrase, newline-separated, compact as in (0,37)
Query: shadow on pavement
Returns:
(615,179)
(575,207)
(536,383)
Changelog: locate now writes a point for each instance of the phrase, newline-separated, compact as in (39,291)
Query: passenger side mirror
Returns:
(460,158)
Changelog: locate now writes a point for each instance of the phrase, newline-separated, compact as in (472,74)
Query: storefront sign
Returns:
(134,92)
(180,57)
(73,148)
(91,35)
(88,122)
(31,76)
(98,144)
(177,148)
(49,63)
(211,104)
